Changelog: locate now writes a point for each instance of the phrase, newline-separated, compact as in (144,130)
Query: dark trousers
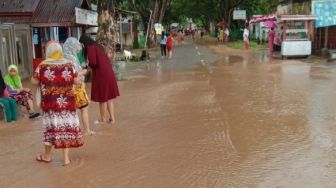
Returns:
(163,50)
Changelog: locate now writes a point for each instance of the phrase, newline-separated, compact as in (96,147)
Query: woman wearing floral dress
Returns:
(21,95)
(56,78)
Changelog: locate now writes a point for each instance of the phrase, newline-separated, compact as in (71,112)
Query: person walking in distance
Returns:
(271,36)
(170,46)
(104,84)
(246,38)
(163,45)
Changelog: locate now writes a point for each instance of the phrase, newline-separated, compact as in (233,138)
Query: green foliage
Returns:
(136,45)
(261,7)
(239,44)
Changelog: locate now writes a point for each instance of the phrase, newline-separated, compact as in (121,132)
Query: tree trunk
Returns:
(158,8)
(136,38)
(106,35)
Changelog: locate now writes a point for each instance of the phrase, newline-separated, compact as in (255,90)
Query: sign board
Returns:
(123,20)
(239,14)
(86,17)
(325,10)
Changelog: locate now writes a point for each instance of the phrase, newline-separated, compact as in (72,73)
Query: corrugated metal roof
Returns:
(18,6)
(52,12)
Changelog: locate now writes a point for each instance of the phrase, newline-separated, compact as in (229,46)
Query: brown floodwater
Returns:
(242,121)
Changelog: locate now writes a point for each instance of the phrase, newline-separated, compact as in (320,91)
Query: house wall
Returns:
(332,37)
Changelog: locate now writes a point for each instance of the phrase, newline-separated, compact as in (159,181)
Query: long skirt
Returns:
(22,98)
(61,129)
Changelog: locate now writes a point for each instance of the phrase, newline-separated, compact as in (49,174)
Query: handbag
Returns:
(81,98)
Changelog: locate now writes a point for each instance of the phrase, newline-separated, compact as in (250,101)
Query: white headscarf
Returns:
(71,48)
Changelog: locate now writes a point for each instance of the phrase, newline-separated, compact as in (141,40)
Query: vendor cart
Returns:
(296,35)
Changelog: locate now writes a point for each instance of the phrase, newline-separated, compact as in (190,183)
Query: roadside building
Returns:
(324,37)
(27,25)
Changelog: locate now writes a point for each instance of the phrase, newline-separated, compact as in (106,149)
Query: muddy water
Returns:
(243,121)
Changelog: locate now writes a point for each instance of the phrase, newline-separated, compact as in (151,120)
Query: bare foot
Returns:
(66,163)
(43,158)
(99,122)
(89,133)
(112,121)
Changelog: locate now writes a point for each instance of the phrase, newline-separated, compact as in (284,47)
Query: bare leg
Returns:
(103,111)
(66,156)
(47,154)
(31,106)
(110,108)
(85,121)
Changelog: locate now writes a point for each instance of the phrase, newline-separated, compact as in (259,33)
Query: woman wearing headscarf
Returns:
(104,85)
(56,78)
(21,95)
(8,103)
(72,48)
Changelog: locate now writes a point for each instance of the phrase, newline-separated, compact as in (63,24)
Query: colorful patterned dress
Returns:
(60,119)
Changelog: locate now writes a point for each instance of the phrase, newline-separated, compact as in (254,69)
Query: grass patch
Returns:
(239,44)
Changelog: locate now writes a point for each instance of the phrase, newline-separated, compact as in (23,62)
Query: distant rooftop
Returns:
(21,6)
(43,12)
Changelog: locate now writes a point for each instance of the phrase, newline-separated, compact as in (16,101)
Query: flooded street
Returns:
(211,117)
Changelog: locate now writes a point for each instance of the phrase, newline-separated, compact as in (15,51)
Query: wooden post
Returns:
(326,37)
(69,32)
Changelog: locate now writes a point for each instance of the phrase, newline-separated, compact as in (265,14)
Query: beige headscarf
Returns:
(54,52)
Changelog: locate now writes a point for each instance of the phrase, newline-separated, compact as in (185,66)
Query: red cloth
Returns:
(104,84)
(271,36)
(170,43)
(5,94)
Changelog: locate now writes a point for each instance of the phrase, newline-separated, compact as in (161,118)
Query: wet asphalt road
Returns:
(230,119)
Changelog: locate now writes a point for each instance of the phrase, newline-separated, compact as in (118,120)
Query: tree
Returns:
(143,8)
(106,34)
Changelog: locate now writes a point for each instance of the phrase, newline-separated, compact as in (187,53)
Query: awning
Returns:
(297,17)
(270,17)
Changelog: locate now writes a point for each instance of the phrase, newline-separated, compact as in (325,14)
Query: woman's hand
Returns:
(26,89)
(34,81)
(82,72)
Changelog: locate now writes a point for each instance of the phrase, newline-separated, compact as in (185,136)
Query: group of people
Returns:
(166,44)
(12,93)
(223,35)
(274,40)
(61,91)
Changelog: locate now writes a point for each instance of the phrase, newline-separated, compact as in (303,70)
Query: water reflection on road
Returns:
(242,121)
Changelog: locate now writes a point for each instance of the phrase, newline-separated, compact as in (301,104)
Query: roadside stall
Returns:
(260,26)
(296,35)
